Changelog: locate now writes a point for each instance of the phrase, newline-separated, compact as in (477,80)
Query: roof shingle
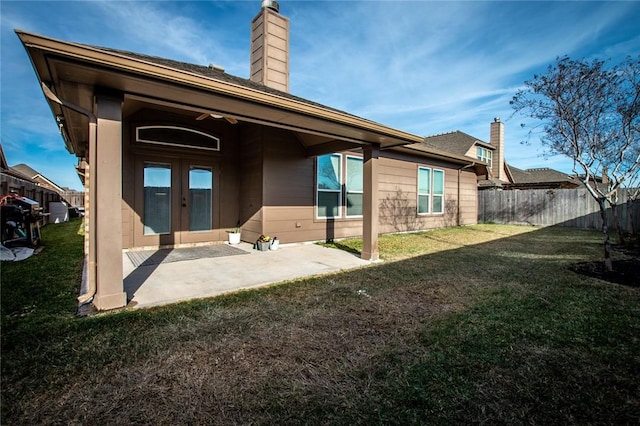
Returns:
(456,142)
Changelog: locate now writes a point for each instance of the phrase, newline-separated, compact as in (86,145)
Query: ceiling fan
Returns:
(216,116)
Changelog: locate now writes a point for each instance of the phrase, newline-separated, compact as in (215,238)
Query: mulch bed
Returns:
(625,271)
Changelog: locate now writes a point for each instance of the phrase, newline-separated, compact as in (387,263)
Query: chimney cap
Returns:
(496,120)
(271,4)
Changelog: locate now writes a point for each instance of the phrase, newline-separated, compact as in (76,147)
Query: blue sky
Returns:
(420,66)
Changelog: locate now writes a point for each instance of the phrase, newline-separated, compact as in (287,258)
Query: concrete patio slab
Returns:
(165,283)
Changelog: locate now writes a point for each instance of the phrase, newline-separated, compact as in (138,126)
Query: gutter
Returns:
(88,287)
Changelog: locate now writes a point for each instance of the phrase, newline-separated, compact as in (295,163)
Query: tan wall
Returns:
(289,211)
(289,203)
(251,181)
(468,198)
(128,185)
(268,184)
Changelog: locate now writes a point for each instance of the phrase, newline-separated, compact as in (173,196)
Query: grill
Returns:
(20,221)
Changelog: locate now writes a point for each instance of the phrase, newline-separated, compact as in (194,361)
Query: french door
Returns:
(177,202)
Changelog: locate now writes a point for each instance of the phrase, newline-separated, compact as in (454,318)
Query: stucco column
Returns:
(106,185)
(370,203)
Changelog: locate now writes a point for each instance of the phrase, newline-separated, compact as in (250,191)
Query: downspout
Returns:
(88,288)
(458,204)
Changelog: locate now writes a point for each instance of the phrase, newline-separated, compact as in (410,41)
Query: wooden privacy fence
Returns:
(574,208)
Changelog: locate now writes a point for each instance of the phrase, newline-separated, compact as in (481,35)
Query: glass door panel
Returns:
(200,198)
(157,199)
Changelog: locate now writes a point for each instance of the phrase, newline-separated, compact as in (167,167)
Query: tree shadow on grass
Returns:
(625,271)
(343,247)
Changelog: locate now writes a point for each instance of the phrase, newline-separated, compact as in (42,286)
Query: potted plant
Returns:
(234,235)
(275,243)
(263,243)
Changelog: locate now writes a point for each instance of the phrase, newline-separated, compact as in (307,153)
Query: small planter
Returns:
(263,245)
(234,238)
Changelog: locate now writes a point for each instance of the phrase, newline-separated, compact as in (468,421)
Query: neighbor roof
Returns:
(12,171)
(25,170)
(538,175)
(34,175)
(3,160)
(455,142)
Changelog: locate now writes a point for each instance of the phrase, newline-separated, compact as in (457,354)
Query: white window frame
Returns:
(431,194)
(425,194)
(339,191)
(485,154)
(434,195)
(346,188)
(343,191)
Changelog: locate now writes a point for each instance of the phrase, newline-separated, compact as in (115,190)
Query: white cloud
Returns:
(160,29)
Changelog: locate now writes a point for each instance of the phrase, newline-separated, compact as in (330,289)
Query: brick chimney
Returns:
(496,139)
(270,47)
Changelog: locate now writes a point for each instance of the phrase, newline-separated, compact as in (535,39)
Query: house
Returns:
(536,178)
(14,180)
(72,197)
(501,175)
(175,154)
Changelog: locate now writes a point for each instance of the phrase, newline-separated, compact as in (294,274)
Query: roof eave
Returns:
(479,166)
(114,60)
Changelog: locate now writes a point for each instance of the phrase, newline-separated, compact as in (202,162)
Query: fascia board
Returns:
(137,66)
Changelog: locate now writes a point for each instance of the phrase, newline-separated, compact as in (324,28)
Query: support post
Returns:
(106,187)
(370,203)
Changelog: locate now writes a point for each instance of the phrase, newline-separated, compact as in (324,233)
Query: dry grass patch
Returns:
(484,324)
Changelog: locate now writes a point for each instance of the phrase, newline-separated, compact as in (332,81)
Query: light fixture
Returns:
(216,116)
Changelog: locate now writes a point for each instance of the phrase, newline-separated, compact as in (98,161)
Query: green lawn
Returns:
(481,324)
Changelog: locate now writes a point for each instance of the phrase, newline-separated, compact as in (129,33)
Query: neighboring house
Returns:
(37,177)
(460,143)
(71,196)
(539,178)
(13,180)
(501,175)
(176,154)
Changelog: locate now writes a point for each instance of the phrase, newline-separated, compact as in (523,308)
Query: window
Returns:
(354,186)
(177,136)
(430,190)
(424,189)
(157,199)
(339,183)
(329,185)
(200,198)
(485,155)
(438,191)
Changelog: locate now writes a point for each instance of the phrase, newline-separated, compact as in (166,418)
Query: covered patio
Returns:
(158,280)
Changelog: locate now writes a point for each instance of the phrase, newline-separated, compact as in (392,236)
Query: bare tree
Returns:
(591,114)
